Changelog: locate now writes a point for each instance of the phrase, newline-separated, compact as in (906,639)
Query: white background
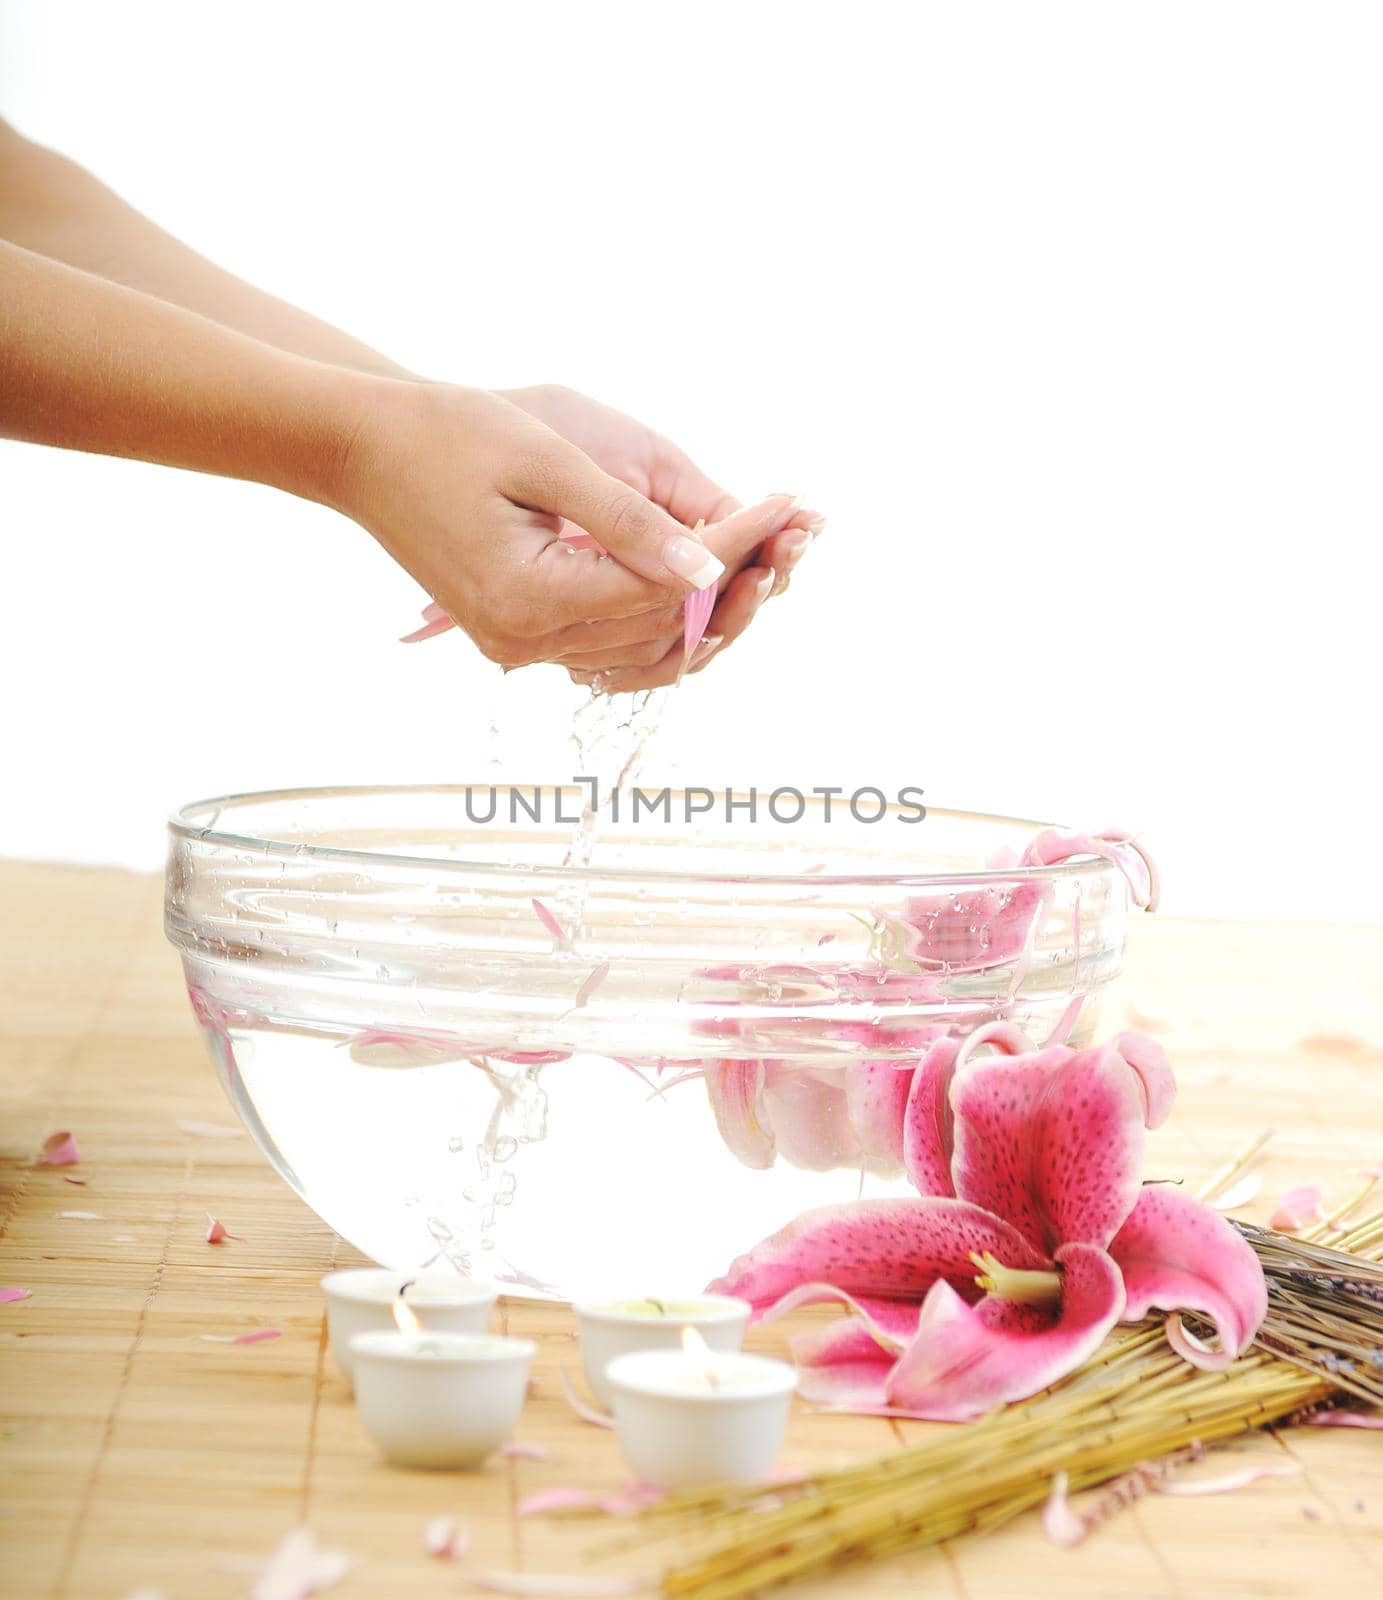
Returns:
(1067,315)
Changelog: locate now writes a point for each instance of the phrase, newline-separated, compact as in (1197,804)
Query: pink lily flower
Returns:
(1033,1236)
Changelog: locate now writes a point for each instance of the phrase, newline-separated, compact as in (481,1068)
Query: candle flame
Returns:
(700,1352)
(695,1345)
(405,1318)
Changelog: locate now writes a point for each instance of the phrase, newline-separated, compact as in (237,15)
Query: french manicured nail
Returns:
(712,641)
(764,587)
(814,520)
(691,561)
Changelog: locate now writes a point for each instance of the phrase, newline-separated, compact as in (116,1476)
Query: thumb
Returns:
(637,533)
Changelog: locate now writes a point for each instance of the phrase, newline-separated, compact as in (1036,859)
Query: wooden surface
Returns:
(138,1457)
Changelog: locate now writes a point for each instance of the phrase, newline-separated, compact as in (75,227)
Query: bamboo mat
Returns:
(137,1457)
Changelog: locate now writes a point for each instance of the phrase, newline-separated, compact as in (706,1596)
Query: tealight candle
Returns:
(616,1327)
(362,1299)
(439,1399)
(690,1417)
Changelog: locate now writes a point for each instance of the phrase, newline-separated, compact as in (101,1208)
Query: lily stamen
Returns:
(1012,1283)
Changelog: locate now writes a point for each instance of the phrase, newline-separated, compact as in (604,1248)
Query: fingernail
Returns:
(793,501)
(691,561)
(814,520)
(763,587)
(794,547)
(712,641)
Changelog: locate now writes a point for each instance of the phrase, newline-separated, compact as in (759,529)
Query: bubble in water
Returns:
(504,1148)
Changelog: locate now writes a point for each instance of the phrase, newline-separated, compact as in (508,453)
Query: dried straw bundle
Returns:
(1137,1402)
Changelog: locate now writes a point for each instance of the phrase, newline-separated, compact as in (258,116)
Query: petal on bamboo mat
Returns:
(59,1150)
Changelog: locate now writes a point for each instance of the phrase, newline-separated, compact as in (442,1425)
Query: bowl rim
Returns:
(388,1345)
(353,1284)
(623,1372)
(180,827)
(719,1308)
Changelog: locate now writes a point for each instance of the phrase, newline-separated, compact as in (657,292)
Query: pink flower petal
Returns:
(594,979)
(1051,846)
(1346,1419)
(893,1249)
(587,1413)
(928,1123)
(255,1336)
(1223,1485)
(435,621)
(1297,1208)
(696,614)
(549,1502)
(216,1232)
(208,1130)
(518,1451)
(889,1325)
(445,1538)
(973,930)
(736,1094)
(1063,1526)
(385,1047)
(59,1150)
(876,1101)
(810,1116)
(1155,1077)
(550,922)
(15,1292)
(79,1182)
(1177,1254)
(967,1359)
(299,1567)
(1053,1141)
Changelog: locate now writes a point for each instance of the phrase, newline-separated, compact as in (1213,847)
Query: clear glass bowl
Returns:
(441,1077)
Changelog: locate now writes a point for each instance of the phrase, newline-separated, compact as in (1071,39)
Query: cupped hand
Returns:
(666,476)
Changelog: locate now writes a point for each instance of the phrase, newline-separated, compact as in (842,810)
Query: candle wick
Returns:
(658,1306)
(405,1287)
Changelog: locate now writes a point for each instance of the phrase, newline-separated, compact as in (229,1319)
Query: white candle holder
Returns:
(439,1399)
(361,1300)
(683,1421)
(614,1328)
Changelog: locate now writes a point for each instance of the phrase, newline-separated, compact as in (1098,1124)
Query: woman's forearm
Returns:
(55,208)
(87,364)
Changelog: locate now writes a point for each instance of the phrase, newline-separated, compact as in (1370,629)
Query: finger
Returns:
(679,485)
(783,552)
(558,478)
(736,538)
(629,656)
(579,586)
(612,633)
(746,593)
(741,604)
